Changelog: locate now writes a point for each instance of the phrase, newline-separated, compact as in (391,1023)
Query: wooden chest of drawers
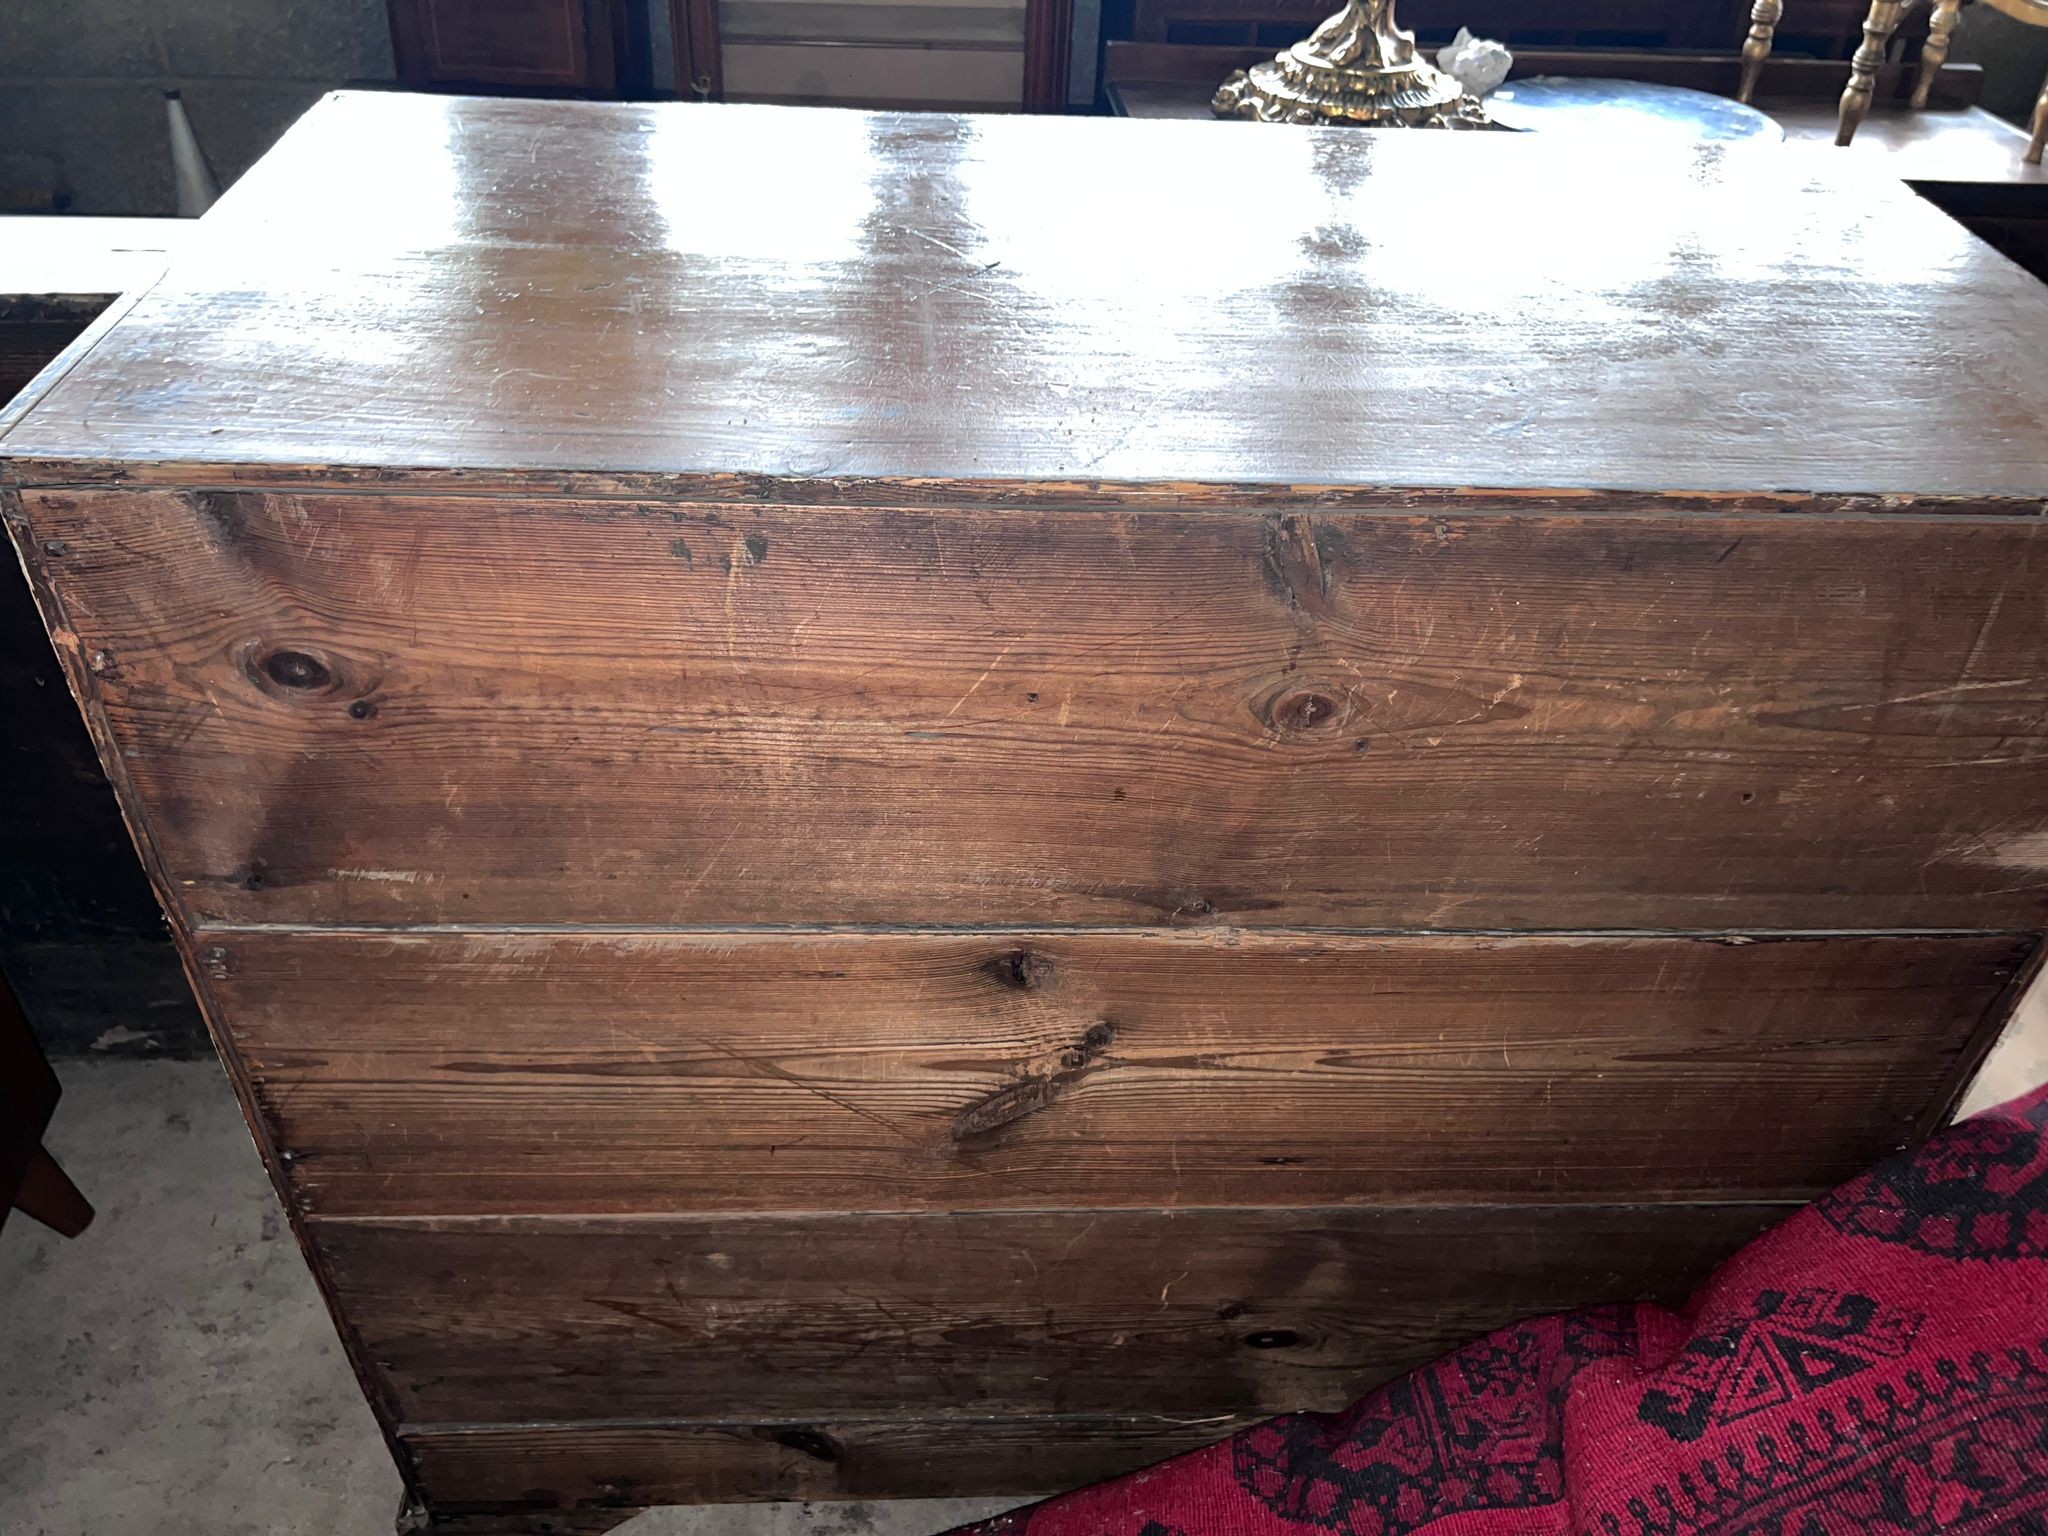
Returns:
(876,805)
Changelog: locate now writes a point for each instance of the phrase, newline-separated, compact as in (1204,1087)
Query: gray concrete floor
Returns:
(173,1371)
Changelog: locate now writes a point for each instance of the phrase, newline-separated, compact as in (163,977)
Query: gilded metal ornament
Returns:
(1357,67)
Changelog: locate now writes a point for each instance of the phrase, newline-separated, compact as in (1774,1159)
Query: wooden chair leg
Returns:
(1940,28)
(1763,26)
(48,1194)
(1878,28)
(2033,156)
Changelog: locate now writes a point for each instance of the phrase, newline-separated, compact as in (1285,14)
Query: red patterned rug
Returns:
(1878,1365)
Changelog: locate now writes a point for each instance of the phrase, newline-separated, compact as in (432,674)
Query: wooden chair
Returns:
(30,1179)
(1878,26)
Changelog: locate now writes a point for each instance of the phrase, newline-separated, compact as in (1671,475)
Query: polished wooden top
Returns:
(528,289)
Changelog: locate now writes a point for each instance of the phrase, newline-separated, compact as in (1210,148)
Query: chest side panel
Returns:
(381,709)
(679,955)
(500,1073)
(876,1316)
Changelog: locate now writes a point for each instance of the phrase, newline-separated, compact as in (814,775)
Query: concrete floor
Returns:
(172,1372)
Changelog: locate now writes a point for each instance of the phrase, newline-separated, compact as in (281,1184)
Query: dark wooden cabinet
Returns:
(577,47)
(990,55)
(82,939)
(846,841)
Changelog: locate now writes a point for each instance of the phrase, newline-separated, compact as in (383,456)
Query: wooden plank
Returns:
(918,304)
(657,713)
(476,1476)
(504,1073)
(1187,1313)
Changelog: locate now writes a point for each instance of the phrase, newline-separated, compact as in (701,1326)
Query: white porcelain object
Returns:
(1477,63)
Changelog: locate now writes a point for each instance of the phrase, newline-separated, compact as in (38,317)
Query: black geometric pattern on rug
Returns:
(1482,1429)
(1960,1449)
(1979,1192)
(1781,1349)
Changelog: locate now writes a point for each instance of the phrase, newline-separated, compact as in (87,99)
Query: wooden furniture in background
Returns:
(1048,46)
(984,54)
(1880,23)
(555,47)
(2034,12)
(1176,79)
(1829,28)
(1962,158)
(1878,27)
(82,940)
(978,54)
(30,1180)
(699,61)
(848,847)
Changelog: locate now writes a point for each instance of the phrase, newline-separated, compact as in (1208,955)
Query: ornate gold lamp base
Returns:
(1357,67)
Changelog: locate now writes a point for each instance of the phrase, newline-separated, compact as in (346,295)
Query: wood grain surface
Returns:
(369,708)
(503,1073)
(938,830)
(490,1481)
(553,286)
(1190,1312)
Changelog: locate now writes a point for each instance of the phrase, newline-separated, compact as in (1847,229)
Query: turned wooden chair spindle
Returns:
(1763,26)
(1878,27)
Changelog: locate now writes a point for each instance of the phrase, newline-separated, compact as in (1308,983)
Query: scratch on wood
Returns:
(1005,651)
(772,1070)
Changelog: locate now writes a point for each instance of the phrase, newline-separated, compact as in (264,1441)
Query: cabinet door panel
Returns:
(567,45)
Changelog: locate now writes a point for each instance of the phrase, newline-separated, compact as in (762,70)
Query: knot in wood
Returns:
(1301,711)
(819,1447)
(1304,711)
(295,669)
(1021,970)
(1272,1338)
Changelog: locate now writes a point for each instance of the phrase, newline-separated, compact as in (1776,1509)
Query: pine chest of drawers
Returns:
(882,804)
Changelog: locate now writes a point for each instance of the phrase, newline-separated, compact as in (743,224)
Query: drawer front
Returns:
(415,709)
(766,1319)
(468,1074)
